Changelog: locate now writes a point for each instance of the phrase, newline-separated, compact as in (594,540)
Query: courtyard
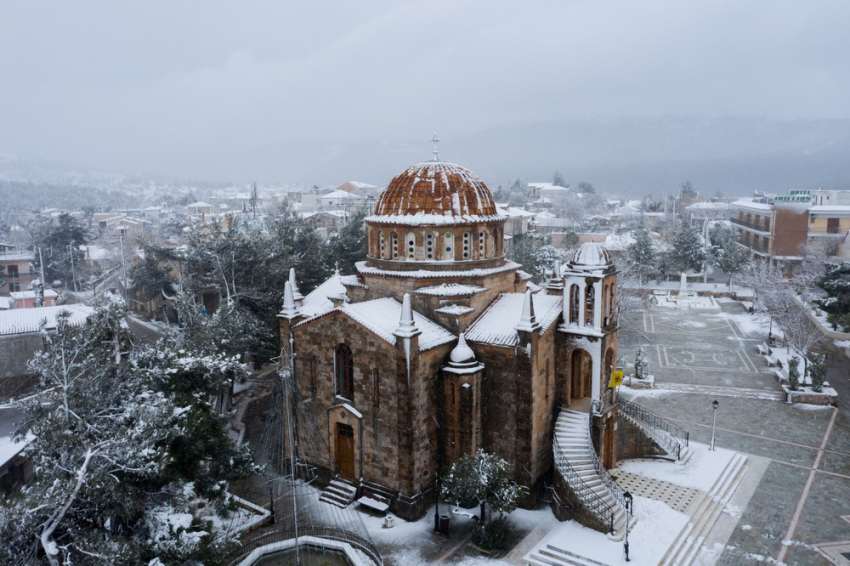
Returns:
(799,511)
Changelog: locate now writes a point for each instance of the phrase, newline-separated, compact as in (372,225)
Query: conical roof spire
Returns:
(406,324)
(528,322)
(290,309)
(295,293)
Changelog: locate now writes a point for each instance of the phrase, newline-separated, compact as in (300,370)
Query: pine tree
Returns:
(121,440)
(734,257)
(641,252)
(817,371)
(687,251)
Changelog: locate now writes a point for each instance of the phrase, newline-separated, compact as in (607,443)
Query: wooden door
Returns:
(345,450)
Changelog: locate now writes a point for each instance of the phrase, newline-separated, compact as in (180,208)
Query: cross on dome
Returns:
(435,140)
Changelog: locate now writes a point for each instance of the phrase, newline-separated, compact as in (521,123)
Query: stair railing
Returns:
(592,500)
(615,490)
(668,435)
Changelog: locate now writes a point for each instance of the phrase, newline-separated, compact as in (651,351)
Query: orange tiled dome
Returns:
(436,188)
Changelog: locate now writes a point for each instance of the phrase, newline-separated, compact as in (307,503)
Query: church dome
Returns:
(435,192)
(591,255)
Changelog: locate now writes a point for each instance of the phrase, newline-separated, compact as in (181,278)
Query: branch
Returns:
(45,537)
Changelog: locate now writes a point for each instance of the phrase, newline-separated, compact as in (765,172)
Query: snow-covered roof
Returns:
(20,321)
(199,204)
(5,303)
(427,274)
(822,209)
(450,290)
(19,256)
(455,310)
(352,281)
(381,316)
(591,254)
(23,295)
(421,218)
(496,324)
(708,206)
(8,447)
(339,195)
(317,302)
(752,205)
(513,212)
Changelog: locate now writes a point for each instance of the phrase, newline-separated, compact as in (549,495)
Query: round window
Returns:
(448,249)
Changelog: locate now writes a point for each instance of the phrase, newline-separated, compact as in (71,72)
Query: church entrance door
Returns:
(345,449)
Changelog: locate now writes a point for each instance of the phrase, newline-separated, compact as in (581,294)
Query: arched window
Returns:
(383,247)
(448,247)
(344,372)
(410,245)
(394,242)
(482,245)
(466,246)
(590,298)
(574,304)
(430,243)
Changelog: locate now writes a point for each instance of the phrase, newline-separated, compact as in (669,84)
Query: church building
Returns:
(439,346)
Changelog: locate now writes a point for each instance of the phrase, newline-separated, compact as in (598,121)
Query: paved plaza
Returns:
(799,512)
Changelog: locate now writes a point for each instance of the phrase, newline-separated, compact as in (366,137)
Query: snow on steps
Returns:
(551,555)
(572,436)
(706,510)
(339,493)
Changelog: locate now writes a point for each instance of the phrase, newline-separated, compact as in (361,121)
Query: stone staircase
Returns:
(555,555)
(578,465)
(704,512)
(339,492)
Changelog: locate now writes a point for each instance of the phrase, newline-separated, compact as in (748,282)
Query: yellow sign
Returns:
(616,379)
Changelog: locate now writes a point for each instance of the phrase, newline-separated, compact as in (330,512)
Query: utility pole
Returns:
(123,265)
(73,273)
(39,292)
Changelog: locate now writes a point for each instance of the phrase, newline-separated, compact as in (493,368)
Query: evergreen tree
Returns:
(558,180)
(836,283)
(734,257)
(121,440)
(586,188)
(817,371)
(481,479)
(60,243)
(524,250)
(152,276)
(641,252)
(350,245)
(687,253)
(794,373)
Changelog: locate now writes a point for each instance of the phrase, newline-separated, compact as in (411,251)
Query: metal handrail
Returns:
(615,490)
(327,533)
(670,436)
(592,500)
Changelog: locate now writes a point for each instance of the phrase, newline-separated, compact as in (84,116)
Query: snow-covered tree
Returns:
(733,257)
(794,373)
(836,283)
(524,250)
(817,371)
(115,435)
(546,256)
(558,180)
(481,479)
(687,249)
(641,252)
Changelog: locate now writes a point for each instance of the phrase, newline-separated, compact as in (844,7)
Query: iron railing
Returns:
(327,533)
(615,490)
(592,500)
(669,436)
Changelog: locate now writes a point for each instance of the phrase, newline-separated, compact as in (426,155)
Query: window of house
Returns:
(811,219)
(832,225)
(344,371)
(13,271)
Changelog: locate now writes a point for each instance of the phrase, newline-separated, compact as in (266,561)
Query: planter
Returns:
(807,396)
(647,382)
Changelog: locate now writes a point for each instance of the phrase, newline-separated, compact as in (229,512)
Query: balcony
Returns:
(759,226)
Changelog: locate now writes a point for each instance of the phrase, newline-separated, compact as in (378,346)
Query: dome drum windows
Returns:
(466,246)
(382,244)
(430,242)
(482,245)
(410,245)
(448,241)
(394,239)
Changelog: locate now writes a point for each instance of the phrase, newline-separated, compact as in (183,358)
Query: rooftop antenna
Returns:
(435,140)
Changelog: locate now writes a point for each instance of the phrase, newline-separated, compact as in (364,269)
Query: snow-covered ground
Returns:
(699,472)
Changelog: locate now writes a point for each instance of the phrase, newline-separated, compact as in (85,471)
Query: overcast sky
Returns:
(184,88)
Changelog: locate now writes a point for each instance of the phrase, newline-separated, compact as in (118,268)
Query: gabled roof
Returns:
(318,302)
(496,324)
(381,316)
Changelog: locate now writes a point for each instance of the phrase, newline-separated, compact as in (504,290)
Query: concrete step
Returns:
(569,557)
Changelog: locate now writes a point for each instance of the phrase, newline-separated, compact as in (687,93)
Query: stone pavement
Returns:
(805,491)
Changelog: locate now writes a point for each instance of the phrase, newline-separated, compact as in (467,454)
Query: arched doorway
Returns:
(581,374)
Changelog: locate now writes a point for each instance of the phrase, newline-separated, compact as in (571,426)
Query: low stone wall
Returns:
(567,506)
(828,397)
(632,441)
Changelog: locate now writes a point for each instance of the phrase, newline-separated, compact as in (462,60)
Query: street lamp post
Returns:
(628,498)
(713,423)
(770,333)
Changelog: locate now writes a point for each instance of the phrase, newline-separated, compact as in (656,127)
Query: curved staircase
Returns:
(579,467)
